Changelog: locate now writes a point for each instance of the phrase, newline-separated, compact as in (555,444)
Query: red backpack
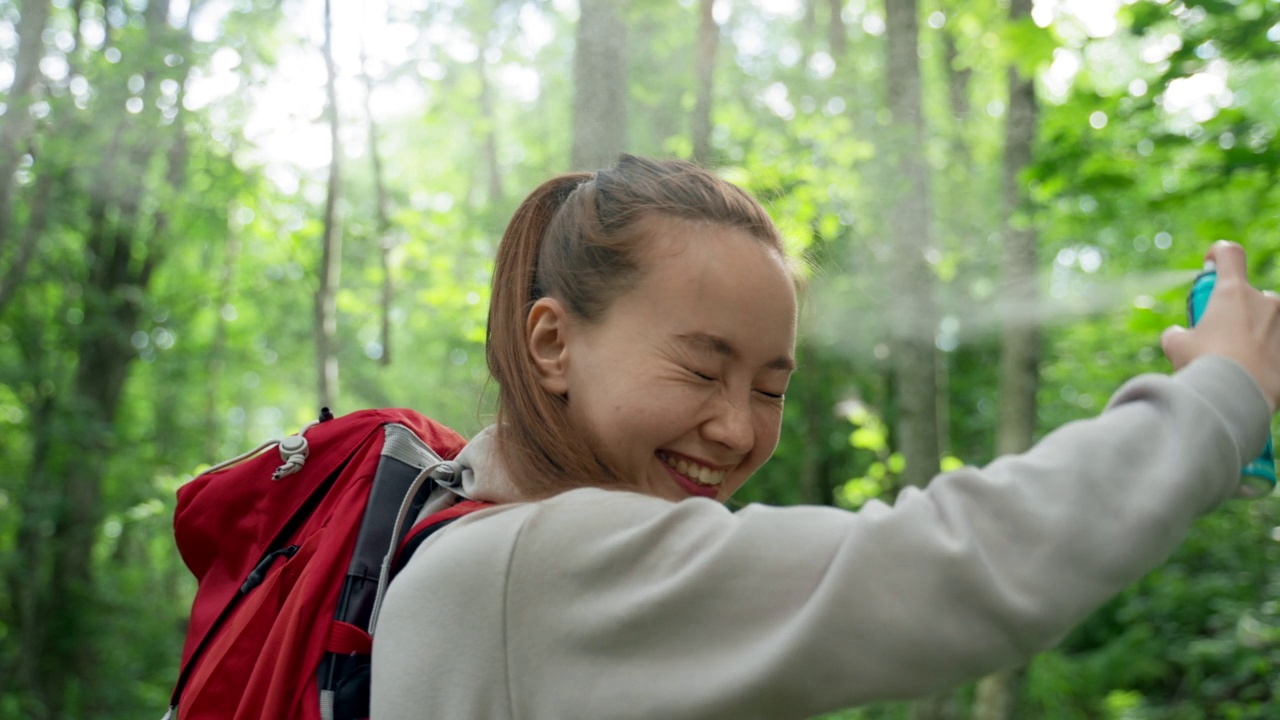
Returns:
(292,551)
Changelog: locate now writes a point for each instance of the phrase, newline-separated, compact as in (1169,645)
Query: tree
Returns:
(708,41)
(330,274)
(382,211)
(600,85)
(909,223)
(1020,353)
(909,228)
(123,231)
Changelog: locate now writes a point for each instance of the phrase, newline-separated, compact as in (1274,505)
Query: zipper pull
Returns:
(260,572)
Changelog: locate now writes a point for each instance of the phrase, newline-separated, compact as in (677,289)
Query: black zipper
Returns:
(255,579)
(259,572)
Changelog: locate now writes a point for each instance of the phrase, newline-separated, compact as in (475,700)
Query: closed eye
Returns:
(772,396)
(701,376)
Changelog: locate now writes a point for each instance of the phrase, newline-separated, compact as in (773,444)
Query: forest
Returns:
(218,216)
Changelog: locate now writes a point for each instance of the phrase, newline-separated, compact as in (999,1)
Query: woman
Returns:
(642,333)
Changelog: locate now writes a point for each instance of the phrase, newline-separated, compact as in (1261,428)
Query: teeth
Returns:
(693,471)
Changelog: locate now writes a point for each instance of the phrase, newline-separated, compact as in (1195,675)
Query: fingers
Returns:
(1228,258)
(1173,342)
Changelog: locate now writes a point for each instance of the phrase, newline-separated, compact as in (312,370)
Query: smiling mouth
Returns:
(697,473)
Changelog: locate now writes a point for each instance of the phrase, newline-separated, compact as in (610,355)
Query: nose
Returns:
(730,425)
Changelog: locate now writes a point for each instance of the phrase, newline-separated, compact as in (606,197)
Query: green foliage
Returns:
(1165,138)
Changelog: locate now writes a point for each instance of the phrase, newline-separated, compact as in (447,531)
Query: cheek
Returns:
(768,424)
(769,427)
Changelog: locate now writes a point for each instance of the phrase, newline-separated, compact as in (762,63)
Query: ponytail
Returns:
(531,421)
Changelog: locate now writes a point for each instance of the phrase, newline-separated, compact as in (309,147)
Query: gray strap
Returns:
(404,445)
(405,507)
(326,704)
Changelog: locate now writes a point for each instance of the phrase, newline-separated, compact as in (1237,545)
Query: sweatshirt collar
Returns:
(484,474)
(484,477)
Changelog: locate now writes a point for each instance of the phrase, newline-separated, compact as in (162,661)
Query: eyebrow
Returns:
(719,346)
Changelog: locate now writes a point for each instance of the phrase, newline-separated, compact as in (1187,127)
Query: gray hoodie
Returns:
(602,604)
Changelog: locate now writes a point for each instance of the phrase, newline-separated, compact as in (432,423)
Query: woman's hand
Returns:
(1240,323)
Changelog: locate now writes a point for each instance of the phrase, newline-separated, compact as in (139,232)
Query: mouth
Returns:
(694,477)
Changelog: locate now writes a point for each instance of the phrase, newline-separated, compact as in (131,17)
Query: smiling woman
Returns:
(642,332)
(698,354)
(596,276)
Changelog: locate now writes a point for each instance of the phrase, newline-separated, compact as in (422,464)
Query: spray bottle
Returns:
(1258,478)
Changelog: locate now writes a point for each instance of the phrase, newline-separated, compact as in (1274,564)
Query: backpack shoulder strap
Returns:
(428,526)
(416,536)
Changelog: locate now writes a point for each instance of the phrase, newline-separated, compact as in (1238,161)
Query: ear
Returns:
(546,332)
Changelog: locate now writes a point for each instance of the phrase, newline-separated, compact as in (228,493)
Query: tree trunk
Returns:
(600,85)
(490,136)
(957,78)
(957,95)
(708,42)
(809,24)
(52,582)
(914,322)
(75,466)
(331,256)
(996,697)
(837,33)
(382,210)
(909,227)
(18,125)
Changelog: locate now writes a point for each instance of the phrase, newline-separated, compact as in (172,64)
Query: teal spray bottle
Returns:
(1258,478)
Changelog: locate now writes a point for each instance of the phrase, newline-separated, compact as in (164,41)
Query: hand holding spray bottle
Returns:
(1258,478)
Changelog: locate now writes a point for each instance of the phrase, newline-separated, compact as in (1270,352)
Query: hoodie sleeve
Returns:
(619,605)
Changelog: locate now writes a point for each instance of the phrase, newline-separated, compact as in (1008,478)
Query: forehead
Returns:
(662,233)
(706,279)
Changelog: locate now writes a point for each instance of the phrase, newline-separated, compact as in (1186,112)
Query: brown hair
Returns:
(578,238)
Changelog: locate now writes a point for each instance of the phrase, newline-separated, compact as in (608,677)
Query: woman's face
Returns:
(679,385)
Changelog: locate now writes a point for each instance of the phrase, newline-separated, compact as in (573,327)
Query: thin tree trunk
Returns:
(18,125)
(1020,359)
(809,24)
(490,136)
(382,209)
(331,257)
(957,96)
(708,42)
(600,85)
(957,78)
(996,696)
(915,321)
(837,33)
(913,348)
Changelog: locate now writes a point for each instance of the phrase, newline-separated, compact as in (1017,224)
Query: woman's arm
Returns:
(619,605)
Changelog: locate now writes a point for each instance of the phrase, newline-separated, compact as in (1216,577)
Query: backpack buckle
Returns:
(448,475)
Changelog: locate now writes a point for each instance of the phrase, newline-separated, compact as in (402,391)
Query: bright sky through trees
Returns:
(284,122)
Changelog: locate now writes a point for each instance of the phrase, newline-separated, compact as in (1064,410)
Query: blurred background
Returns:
(217,216)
